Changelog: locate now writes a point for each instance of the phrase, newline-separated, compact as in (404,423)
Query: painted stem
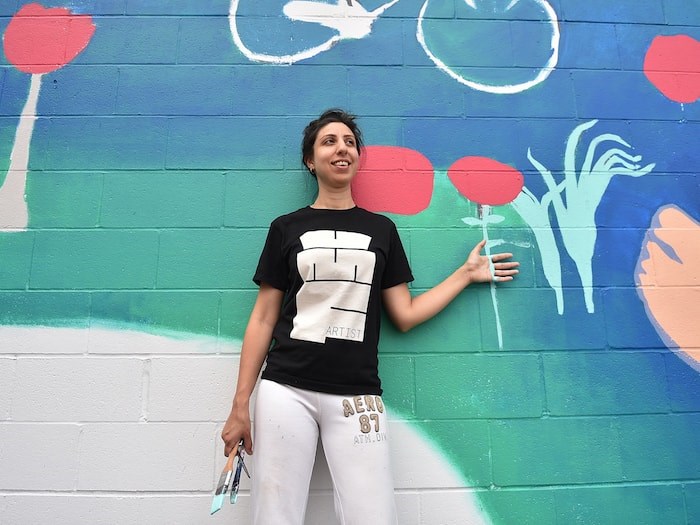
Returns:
(484,210)
(14,215)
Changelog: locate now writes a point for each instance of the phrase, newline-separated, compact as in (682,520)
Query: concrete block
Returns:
(98,143)
(207,40)
(185,8)
(454,507)
(44,308)
(175,90)
(418,462)
(381,48)
(601,45)
(659,447)
(523,505)
(523,325)
(79,90)
(108,46)
(579,383)
(38,456)
(94,259)
(681,13)
(625,325)
(440,334)
(108,509)
(14,271)
(106,338)
(250,82)
(526,104)
(691,493)
(162,200)
(283,191)
(478,386)
(78,389)
(216,259)
(398,382)
(224,143)
(645,504)
(7,386)
(639,12)
(9,8)
(620,94)
(235,312)
(146,457)
(408,507)
(191,388)
(43,340)
(548,451)
(64,199)
(398,88)
(159,311)
(683,383)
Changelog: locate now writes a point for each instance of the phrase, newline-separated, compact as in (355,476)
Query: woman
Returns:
(324,274)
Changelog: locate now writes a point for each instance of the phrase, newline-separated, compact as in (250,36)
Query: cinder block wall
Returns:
(135,197)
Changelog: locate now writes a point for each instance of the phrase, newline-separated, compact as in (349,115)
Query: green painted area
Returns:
(612,505)
(467,443)
(212,259)
(64,199)
(195,312)
(16,257)
(94,259)
(41,308)
(478,386)
(584,383)
(549,451)
(163,200)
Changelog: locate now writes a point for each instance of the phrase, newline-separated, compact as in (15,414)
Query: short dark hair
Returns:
(312,128)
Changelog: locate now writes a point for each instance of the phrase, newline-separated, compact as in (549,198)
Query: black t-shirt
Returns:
(332,266)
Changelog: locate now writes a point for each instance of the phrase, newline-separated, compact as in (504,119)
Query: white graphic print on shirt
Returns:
(337,269)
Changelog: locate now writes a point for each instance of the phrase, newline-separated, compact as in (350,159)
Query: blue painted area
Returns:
(79,90)
(179,90)
(132,40)
(627,11)
(66,143)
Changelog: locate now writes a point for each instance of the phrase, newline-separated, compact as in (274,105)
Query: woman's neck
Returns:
(334,201)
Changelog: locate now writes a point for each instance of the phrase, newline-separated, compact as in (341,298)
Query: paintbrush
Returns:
(222,487)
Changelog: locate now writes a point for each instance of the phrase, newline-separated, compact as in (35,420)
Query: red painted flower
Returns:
(485,181)
(40,40)
(393,179)
(672,64)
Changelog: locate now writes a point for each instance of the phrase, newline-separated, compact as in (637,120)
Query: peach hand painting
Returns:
(667,280)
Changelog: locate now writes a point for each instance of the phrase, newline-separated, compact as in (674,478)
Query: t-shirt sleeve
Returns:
(272,266)
(397,269)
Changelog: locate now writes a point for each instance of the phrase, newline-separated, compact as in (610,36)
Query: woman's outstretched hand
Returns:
(479,267)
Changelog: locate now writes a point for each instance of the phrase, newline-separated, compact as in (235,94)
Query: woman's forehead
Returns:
(335,128)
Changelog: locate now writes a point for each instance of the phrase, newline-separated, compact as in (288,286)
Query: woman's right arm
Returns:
(256,343)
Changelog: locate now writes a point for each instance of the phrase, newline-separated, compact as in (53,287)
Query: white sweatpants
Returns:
(353,430)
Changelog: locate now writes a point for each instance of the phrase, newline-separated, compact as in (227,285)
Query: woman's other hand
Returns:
(498,269)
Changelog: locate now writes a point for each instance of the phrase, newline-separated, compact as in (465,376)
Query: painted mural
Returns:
(144,149)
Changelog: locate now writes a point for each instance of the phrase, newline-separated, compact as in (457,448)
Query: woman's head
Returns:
(312,129)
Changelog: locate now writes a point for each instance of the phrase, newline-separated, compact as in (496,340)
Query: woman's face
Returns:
(335,156)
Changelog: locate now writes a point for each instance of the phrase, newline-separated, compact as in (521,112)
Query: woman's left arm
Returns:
(407,311)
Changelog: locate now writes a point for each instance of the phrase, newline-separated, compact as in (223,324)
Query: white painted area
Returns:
(130,434)
(349,19)
(540,75)
(14,215)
